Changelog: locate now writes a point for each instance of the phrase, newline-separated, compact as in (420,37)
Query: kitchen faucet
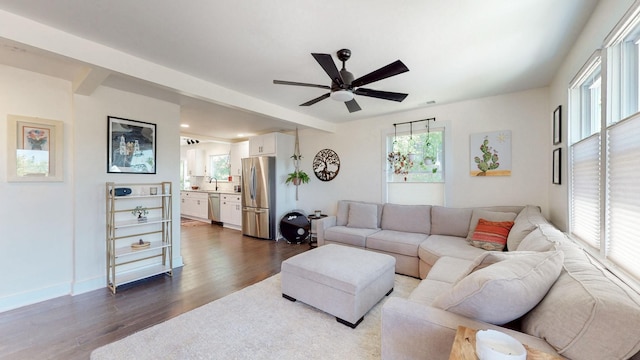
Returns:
(212,178)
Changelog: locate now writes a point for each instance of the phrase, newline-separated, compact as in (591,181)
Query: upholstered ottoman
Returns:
(343,281)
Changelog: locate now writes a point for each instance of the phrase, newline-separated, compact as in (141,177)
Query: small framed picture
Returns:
(557,160)
(35,149)
(557,125)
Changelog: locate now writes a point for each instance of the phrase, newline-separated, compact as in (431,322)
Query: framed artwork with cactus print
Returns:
(490,153)
(35,149)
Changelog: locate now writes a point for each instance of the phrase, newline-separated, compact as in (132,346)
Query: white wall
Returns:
(52,234)
(90,168)
(363,158)
(36,219)
(604,18)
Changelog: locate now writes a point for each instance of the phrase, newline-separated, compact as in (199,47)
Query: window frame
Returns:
(391,177)
(212,166)
(620,102)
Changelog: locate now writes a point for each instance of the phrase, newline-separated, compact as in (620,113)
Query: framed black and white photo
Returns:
(557,125)
(131,146)
(557,160)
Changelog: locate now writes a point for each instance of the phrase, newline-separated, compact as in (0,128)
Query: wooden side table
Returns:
(313,235)
(464,347)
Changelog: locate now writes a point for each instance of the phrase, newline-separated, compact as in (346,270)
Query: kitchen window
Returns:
(220,167)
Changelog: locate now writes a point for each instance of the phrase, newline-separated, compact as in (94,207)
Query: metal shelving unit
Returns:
(127,263)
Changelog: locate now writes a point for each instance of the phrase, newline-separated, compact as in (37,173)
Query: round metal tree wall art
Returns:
(326,164)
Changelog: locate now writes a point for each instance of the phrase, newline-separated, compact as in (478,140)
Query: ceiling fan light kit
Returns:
(343,86)
(342,95)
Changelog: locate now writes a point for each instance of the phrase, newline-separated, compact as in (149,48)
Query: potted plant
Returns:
(297,177)
(141,212)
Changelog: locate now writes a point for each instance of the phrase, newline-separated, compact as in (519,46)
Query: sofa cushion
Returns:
(428,289)
(397,242)
(348,236)
(543,238)
(478,214)
(491,235)
(503,291)
(525,222)
(437,246)
(364,216)
(342,215)
(451,269)
(450,221)
(587,313)
(408,218)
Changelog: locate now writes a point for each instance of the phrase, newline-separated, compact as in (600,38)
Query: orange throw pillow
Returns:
(491,235)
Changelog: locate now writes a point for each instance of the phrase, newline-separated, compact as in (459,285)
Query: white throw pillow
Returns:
(503,291)
(364,216)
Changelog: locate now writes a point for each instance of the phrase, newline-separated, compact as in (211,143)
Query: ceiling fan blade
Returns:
(352,105)
(319,98)
(282,82)
(326,61)
(386,95)
(395,68)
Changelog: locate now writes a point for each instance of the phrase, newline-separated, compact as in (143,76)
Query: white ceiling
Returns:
(455,50)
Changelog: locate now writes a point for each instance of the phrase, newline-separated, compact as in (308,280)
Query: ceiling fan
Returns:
(344,87)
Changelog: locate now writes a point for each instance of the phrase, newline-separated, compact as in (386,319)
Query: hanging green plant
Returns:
(297,177)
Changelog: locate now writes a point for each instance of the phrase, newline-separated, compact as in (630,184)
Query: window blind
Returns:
(585,190)
(623,195)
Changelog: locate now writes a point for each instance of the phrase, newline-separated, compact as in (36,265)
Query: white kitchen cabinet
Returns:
(238,152)
(266,145)
(194,204)
(231,210)
(139,243)
(196,162)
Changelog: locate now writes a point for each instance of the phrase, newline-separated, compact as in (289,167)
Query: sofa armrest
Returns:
(322,225)
(411,330)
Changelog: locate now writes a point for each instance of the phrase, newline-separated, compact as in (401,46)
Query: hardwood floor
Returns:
(218,261)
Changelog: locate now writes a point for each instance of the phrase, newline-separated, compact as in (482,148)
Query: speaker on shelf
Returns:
(122,191)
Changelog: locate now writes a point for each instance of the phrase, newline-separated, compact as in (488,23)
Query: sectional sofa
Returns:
(542,289)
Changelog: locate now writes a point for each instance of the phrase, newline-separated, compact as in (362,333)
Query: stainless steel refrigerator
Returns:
(259,197)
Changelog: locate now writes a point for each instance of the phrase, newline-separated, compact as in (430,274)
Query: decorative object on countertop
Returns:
(141,212)
(298,176)
(195,187)
(132,146)
(326,164)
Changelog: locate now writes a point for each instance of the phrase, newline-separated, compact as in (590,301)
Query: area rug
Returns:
(256,323)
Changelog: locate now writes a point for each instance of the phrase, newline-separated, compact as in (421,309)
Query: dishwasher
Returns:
(214,207)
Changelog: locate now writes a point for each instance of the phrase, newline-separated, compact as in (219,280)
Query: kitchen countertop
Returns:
(213,191)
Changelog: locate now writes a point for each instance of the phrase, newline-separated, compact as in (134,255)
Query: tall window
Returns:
(421,156)
(585,108)
(605,152)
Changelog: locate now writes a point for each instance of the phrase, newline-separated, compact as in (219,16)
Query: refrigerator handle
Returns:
(252,189)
